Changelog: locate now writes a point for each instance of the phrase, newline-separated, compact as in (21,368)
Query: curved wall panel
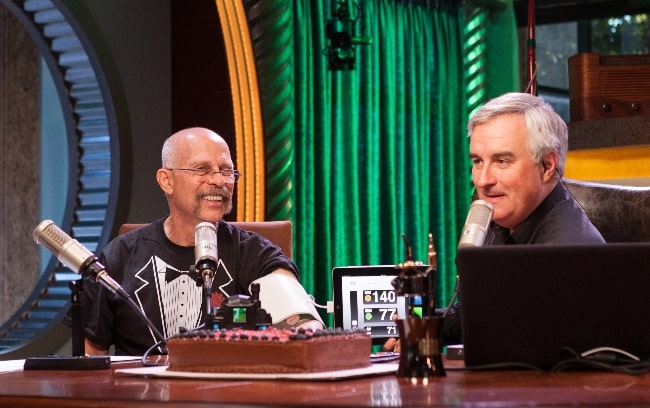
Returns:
(93,147)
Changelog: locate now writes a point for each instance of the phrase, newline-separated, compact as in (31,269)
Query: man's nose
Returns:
(483,177)
(215,177)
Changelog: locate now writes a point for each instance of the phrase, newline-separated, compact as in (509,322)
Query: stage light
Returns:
(341,33)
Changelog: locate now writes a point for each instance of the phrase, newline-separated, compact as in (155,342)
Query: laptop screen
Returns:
(365,299)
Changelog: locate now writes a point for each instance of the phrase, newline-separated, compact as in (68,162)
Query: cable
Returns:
(146,354)
(586,363)
(313,301)
(569,191)
(497,366)
(602,358)
(453,298)
(605,359)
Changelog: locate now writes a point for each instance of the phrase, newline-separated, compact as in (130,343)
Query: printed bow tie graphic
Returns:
(171,274)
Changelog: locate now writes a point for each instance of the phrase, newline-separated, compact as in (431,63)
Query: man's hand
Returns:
(312,325)
(392,344)
(93,349)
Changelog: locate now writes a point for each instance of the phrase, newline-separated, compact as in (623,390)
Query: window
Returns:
(564,30)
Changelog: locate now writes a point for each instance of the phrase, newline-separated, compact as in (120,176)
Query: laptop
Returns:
(528,303)
(365,299)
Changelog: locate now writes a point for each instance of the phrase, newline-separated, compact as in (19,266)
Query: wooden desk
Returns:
(104,388)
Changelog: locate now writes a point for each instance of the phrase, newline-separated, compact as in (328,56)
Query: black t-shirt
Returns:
(154,271)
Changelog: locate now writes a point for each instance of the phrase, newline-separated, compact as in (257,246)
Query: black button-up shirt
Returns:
(559,219)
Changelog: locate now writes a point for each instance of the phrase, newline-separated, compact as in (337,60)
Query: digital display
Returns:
(370,303)
(379,314)
(239,315)
(379,296)
(365,299)
(382,331)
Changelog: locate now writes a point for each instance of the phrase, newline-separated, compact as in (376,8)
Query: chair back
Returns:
(621,213)
(278,232)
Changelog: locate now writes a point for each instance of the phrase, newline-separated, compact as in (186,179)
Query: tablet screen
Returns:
(365,299)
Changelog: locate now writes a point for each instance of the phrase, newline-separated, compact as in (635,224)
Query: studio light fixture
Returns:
(341,32)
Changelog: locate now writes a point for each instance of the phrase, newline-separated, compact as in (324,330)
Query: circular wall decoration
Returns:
(91,201)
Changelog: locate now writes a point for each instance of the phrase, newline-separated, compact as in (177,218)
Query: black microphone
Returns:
(476,226)
(74,255)
(206,254)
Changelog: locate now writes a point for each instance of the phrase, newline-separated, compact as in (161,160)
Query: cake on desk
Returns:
(269,350)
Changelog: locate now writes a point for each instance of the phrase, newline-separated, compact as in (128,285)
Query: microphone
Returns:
(478,220)
(473,235)
(74,255)
(205,251)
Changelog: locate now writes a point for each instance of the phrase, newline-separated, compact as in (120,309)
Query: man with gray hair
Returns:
(518,147)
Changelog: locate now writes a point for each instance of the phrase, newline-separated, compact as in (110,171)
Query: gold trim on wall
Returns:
(626,162)
(249,135)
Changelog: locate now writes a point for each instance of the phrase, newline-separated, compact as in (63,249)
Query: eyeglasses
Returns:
(229,175)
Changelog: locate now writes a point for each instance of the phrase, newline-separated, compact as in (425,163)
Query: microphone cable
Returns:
(145,356)
(453,298)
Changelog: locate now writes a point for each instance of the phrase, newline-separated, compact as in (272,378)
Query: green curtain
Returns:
(502,59)
(380,150)
(491,51)
(371,153)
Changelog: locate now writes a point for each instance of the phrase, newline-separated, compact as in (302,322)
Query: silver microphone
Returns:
(476,226)
(74,255)
(206,253)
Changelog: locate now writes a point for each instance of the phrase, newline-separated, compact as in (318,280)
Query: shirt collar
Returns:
(525,230)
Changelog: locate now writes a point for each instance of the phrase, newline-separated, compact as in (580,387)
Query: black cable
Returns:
(497,366)
(146,320)
(453,298)
(561,179)
(162,341)
(613,362)
(604,361)
(146,354)
(578,363)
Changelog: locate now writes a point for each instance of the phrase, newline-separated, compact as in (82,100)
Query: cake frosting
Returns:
(268,351)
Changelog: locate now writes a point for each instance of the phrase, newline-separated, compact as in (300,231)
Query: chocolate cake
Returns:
(268,351)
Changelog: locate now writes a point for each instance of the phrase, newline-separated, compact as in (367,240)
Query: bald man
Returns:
(198,178)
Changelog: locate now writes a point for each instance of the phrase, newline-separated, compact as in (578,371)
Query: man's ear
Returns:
(165,180)
(549,164)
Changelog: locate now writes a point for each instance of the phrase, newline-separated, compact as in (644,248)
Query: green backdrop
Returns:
(357,158)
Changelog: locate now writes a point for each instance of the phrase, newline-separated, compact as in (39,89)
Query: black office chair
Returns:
(621,213)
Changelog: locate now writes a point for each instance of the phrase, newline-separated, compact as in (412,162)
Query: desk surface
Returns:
(105,388)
